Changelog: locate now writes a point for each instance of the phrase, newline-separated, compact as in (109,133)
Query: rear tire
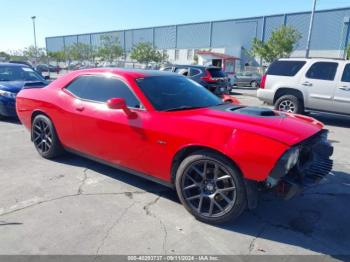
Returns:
(211,188)
(289,104)
(45,138)
(254,84)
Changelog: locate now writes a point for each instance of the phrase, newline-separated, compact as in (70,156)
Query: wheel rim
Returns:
(208,188)
(42,136)
(287,106)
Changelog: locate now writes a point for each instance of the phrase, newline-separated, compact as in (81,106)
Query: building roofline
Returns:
(204,22)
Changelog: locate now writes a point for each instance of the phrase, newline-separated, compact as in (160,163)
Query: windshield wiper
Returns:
(183,108)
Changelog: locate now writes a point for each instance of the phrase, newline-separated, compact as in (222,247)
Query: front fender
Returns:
(254,154)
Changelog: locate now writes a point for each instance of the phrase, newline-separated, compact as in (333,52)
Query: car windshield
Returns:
(19,73)
(172,93)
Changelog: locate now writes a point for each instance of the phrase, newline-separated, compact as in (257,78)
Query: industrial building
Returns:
(233,37)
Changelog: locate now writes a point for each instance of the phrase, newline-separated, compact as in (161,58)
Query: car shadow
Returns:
(307,221)
(332,119)
(10,120)
(133,180)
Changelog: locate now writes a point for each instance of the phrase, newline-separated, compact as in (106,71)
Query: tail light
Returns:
(263,81)
(208,78)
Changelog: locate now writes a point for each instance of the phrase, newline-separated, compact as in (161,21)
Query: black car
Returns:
(46,68)
(212,78)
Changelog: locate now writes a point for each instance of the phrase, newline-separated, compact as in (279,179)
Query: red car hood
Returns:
(285,128)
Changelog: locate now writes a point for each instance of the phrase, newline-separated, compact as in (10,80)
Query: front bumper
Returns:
(313,166)
(7,107)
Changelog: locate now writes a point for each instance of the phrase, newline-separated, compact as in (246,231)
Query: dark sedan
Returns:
(13,78)
(212,78)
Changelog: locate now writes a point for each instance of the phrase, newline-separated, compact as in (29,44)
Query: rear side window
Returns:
(346,74)
(101,89)
(216,72)
(322,71)
(285,68)
(195,71)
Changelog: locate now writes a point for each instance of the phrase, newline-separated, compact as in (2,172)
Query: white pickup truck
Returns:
(298,84)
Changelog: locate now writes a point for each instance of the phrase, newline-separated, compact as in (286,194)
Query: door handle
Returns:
(307,84)
(79,108)
(345,88)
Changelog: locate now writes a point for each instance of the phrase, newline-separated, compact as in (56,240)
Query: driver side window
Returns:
(101,89)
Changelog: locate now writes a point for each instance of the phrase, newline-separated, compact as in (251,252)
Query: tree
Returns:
(110,48)
(33,53)
(146,53)
(78,52)
(4,55)
(348,52)
(17,55)
(59,56)
(281,44)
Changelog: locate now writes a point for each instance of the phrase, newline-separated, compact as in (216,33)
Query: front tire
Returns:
(45,138)
(211,188)
(289,104)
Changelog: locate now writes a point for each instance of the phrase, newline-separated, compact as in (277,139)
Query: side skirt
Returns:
(127,170)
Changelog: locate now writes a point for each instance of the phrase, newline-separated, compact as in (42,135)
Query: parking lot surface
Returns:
(75,206)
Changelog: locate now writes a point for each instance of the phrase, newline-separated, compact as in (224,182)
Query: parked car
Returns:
(251,79)
(169,129)
(46,68)
(295,85)
(14,77)
(212,78)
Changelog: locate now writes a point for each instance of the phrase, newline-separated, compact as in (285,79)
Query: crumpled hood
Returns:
(16,86)
(286,128)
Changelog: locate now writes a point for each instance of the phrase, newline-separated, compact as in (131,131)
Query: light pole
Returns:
(310,29)
(36,50)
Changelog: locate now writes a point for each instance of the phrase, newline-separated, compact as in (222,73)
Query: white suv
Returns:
(297,84)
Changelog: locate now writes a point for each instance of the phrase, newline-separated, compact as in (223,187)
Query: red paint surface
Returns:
(148,142)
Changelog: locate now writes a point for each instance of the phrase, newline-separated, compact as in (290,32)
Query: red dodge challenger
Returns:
(169,129)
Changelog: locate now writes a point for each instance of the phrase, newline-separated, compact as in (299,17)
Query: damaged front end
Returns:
(302,166)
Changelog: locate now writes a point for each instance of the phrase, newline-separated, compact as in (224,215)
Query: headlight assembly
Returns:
(7,94)
(290,158)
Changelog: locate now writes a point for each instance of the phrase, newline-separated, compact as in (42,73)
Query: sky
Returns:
(64,17)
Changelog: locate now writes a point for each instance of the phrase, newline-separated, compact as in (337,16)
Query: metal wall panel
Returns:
(230,34)
(236,33)
(54,44)
(272,23)
(300,22)
(193,35)
(143,36)
(128,40)
(84,39)
(96,38)
(329,30)
(223,34)
(165,37)
(70,40)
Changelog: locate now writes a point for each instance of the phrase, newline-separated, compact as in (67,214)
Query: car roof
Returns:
(312,59)
(14,64)
(194,66)
(134,73)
